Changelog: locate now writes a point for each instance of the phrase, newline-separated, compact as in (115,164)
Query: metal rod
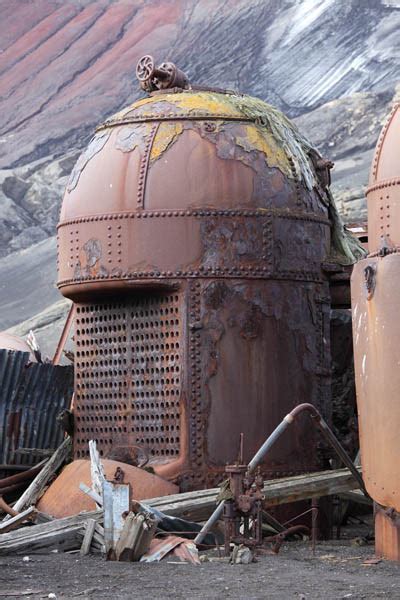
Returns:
(314,527)
(7,508)
(13,488)
(269,442)
(331,438)
(7,467)
(64,335)
(23,476)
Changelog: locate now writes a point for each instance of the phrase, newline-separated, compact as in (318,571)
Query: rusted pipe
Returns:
(12,488)
(331,438)
(7,508)
(7,467)
(314,526)
(21,477)
(64,335)
(270,441)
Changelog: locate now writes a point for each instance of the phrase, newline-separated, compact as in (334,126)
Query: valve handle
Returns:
(145,68)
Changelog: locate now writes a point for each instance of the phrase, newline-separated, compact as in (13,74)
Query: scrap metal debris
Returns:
(31,395)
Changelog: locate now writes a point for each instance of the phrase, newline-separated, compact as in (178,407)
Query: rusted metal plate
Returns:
(376,328)
(31,397)
(129,376)
(64,498)
(200,226)
(268,332)
(383,192)
(140,386)
(137,201)
(376,334)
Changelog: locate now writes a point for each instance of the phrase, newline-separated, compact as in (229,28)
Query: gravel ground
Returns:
(336,571)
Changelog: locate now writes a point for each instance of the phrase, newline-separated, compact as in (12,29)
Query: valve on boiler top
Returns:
(165,76)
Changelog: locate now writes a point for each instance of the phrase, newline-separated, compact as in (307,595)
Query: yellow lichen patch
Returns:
(124,111)
(166,135)
(255,138)
(207,103)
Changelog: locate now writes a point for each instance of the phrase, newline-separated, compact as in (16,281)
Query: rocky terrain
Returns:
(332,65)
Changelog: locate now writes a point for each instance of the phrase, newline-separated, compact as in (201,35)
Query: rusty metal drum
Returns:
(376,332)
(375,298)
(192,237)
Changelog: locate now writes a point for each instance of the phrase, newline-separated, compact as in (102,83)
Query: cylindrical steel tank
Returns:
(376,331)
(192,237)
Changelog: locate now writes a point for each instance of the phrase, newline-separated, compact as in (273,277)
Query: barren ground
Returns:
(336,571)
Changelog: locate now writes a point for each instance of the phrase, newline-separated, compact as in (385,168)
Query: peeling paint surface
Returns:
(130,137)
(95,146)
(167,134)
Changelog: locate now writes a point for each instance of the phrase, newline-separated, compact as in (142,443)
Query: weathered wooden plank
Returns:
(116,502)
(60,533)
(96,468)
(97,539)
(125,545)
(91,493)
(36,488)
(90,526)
(26,515)
(197,506)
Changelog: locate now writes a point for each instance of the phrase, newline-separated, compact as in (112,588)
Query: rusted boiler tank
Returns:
(193,237)
(376,332)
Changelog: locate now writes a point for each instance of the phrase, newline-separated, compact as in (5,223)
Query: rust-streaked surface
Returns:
(387,533)
(383,193)
(193,241)
(64,498)
(376,333)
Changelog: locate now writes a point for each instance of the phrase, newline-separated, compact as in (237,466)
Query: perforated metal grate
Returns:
(128,375)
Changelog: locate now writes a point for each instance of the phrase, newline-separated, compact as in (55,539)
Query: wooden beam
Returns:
(198,506)
(90,526)
(91,493)
(36,488)
(60,533)
(27,515)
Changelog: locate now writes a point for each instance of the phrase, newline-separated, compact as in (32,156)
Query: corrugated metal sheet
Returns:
(31,397)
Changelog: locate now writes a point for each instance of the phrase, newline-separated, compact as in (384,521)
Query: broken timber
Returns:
(65,534)
(198,506)
(36,488)
(90,527)
(27,515)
